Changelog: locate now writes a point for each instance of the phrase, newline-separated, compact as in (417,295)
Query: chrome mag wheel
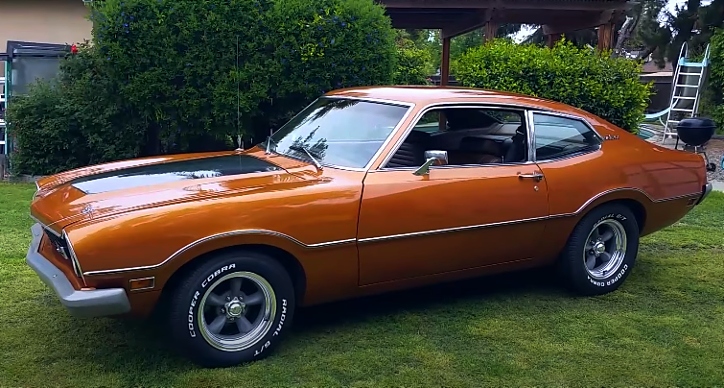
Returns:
(237,311)
(605,249)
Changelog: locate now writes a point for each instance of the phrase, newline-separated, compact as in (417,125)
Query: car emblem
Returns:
(87,210)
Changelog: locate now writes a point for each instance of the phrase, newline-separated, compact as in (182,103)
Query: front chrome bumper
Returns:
(706,190)
(80,303)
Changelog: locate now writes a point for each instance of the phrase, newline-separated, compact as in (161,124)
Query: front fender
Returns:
(317,226)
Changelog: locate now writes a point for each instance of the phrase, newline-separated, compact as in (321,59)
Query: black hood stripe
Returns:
(212,167)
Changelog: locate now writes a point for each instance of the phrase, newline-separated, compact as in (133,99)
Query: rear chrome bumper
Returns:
(80,303)
(706,190)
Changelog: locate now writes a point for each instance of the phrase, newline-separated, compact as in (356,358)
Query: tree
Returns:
(661,33)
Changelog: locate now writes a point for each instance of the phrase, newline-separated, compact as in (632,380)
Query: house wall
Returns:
(46,21)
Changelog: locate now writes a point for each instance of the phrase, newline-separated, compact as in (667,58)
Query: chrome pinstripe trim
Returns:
(382,238)
(514,222)
(221,235)
(45,227)
(448,230)
(530,135)
(73,258)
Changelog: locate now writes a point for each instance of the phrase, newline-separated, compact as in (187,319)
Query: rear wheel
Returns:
(231,309)
(601,250)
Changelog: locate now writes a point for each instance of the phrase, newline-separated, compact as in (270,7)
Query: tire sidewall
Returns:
(187,326)
(580,276)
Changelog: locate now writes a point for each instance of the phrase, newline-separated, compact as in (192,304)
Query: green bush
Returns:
(166,76)
(595,82)
(47,141)
(413,63)
(716,79)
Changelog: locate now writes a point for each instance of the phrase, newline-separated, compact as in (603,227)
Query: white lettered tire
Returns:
(231,309)
(601,250)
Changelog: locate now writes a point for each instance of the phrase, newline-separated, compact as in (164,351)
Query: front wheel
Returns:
(232,309)
(601,250)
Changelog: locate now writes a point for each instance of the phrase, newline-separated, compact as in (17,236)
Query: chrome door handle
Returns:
(536,175)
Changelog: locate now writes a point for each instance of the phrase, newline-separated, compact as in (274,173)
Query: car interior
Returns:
(469,135)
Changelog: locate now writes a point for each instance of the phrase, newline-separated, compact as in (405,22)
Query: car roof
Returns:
(430,94)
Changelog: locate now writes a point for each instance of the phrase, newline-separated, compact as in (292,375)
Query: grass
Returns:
(664,327)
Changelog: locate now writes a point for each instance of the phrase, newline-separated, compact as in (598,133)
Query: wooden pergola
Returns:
(457,17)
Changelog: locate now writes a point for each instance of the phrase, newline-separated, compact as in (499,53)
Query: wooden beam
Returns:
(477,20)
(541,17)
(605,17)
(560,5)
(432,23)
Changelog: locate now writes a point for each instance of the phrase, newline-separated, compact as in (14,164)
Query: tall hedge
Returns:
(414,64)
(320,45)
(716,79)
(188,75)
(605,86)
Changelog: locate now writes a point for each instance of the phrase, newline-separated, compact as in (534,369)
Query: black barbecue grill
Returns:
(695,132)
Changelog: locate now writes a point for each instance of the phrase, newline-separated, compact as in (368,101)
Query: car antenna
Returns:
(240,146)
(268,141)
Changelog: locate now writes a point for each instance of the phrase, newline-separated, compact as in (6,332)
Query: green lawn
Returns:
(664,327)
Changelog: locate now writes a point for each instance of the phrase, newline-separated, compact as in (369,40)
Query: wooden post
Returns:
(444,77)
(445,63)
(2,167)
(552,39)
(605,36)
(491,29)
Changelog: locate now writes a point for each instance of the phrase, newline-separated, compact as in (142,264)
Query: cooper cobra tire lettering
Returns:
(197,295)
(610,281)
(282,317)
(192,331)
(216,273)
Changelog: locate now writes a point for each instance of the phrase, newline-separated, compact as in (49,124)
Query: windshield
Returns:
(338,132)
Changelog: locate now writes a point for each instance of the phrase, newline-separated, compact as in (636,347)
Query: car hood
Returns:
(116,188)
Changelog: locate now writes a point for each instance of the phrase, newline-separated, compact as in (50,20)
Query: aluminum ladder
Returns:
(686,91)
(3,123)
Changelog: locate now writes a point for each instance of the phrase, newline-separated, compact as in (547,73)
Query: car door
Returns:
(456,217)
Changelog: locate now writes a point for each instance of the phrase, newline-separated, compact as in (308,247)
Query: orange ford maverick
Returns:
(366,190)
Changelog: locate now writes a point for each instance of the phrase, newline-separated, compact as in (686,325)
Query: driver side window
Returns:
(470,137)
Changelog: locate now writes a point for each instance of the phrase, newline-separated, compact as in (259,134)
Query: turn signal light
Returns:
(141,283)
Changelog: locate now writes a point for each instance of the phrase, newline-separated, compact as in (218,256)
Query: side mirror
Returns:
(431,157)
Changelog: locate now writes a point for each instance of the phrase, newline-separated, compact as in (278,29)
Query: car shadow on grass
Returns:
(149,340)
(541,281)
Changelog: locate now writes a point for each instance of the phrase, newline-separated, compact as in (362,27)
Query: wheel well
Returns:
(635,206)
(286,259)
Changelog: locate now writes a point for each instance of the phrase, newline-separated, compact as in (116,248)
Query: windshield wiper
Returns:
(304,148)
